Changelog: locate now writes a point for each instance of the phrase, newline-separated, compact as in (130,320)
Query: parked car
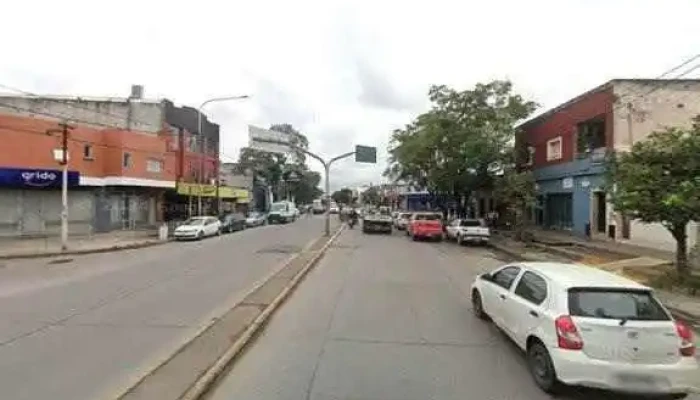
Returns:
(232,222)
(256,218)
(425,225)
(198,228)
(580,325)
(402,221)
(468,231)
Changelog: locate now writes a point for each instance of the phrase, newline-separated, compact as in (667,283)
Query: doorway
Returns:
(601,211)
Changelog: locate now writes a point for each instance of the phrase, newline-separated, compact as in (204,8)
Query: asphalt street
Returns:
(382,317)
(88,326)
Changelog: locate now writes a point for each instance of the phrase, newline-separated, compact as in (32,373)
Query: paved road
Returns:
(84,329)
(382,317)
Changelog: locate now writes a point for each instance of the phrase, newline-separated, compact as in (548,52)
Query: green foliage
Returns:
(462,142)
(371,196)
(515,190)
(342,196)
(659,181)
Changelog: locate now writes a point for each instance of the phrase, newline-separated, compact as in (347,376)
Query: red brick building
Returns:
(127,158)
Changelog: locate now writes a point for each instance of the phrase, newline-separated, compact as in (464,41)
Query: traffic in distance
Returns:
(576,325)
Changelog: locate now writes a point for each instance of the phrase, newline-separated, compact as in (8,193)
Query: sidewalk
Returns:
(47,247)
(685,307)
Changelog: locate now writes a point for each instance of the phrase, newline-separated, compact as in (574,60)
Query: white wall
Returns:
(138,115)
(654,106)
(671,104)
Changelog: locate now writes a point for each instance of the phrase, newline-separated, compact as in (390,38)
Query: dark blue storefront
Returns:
(29,178)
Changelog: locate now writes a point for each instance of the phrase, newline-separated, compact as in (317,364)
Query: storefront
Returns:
(189,195)
(30,202)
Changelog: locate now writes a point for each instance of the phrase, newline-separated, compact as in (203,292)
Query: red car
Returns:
(425,225)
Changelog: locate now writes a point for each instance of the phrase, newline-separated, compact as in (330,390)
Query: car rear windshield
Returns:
(624,304)
(428,217)
(470,222)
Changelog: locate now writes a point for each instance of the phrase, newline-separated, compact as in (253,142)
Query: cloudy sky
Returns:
(342,72)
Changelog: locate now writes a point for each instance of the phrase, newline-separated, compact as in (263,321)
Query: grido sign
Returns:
(35,178)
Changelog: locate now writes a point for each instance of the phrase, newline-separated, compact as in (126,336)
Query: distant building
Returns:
(133,162)
(569,145)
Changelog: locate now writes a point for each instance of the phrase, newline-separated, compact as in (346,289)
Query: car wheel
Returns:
(200,235)
(541,367)
(478,306)
(218,232)
(414,237)
(677,396)
(459,240)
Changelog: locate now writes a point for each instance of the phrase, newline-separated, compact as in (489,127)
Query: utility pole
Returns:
(202,150)
(64,131)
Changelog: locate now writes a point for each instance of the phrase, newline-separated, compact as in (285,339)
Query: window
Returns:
(554,149)
(530,155)
(427,217)
(154,165)
(126,160)
(505,277)
(625,304)
(532,288)
(87,152)
(590,136)
(470,223)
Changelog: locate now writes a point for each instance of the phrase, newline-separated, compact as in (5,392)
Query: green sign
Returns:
(366,154)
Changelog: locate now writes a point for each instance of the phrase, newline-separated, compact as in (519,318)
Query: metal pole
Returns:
(64,181)
(327,167)
(199,128)
(64,197)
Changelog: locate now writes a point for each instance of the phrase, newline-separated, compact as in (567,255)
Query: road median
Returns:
(192,369)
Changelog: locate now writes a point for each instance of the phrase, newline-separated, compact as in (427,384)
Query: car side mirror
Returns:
(486,276)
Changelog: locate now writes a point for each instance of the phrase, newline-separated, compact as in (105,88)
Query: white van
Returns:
(318,207)
(282,212)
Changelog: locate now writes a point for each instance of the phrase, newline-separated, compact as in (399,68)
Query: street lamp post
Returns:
(201,149)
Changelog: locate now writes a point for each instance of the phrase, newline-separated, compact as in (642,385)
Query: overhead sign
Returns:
(267,140)
(366,154)
(36,178)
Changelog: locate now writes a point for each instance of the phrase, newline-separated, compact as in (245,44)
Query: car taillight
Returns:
(567,334)
(686,334)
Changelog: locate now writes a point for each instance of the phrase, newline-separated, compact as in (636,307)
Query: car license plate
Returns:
(637,380)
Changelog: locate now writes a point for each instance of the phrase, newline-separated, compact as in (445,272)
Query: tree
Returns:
(659,181)
(306,190)
(515,190)
(342,196)
(371,196)
(462,143)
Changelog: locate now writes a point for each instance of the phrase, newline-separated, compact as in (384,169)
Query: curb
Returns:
(204,383)
(82,252)
(693,319)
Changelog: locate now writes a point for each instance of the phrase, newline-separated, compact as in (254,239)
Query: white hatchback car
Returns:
(583,326)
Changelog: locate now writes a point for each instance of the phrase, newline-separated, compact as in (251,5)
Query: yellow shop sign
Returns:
(225,192)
